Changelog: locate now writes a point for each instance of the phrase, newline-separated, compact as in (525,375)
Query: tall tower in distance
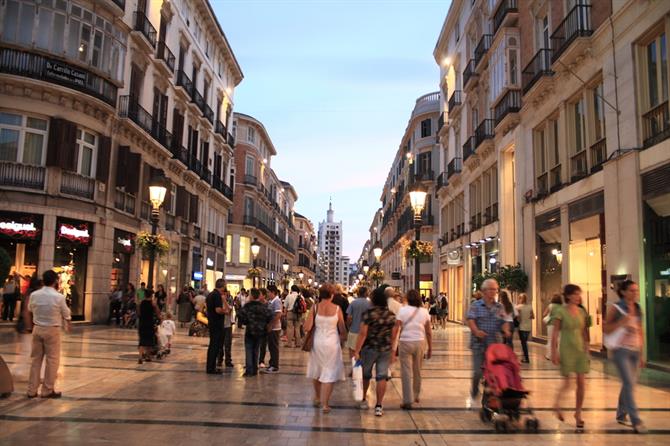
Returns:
(330,248)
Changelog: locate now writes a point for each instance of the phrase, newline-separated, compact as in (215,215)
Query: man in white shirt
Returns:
(293,319)
(48,309)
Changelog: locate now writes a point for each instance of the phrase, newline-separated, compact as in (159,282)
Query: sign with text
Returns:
(74,231)
(65,73)
(124,241)
(17,226)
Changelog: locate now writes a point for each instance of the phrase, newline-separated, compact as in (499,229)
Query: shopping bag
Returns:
(357,379)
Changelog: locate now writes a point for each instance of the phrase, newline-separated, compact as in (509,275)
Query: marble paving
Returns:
(109,399)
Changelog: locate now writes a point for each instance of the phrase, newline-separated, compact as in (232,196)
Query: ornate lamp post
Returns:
(285,267)
(157,191)
(255,250)
(417,197)
(301,275)
(377,250)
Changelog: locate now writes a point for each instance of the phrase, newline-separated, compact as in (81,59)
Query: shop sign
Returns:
(235,277)
(65,73)
(21,226)
(124,241)
(197,275)
(75,232)
(210,263)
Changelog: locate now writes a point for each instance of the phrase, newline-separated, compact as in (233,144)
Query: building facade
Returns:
(579,144)
(94,103)
(262,211)
(307,248)
(330,249)
(416,161)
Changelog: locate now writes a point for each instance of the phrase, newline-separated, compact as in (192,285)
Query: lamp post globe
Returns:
(377,251)
(417,198)
(301,275)
(255,250)
(285,266)
(366,267)
(309,281)
(360,276)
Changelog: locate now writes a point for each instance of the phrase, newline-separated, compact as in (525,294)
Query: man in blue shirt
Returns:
(486,321)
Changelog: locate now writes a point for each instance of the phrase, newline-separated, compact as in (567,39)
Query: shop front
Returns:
(656,206)
(73,239)
(20,236)
(124,248)
(549,264)
(451,283)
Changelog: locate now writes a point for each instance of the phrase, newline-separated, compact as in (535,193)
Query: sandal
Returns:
(326,409)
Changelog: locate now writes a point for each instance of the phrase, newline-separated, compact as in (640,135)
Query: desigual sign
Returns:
(74,231)
(20,226)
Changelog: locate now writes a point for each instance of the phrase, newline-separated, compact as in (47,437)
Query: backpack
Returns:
(299,306)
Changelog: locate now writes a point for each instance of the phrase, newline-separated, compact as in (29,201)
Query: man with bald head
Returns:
(485,319)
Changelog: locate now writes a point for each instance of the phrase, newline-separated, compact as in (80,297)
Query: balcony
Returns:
(556,182)
(219,185)
(542,184)
(441,181)
(206,175)
(482,48)
(578,166)
(25,64)
(455,166)
(250,180)
(576,24)
(130,108)
(198,100)
(424,175)
(163,53)
(598,155)
(506,13)
(179,153)
(485,130)
(656,125)
(22,175)
(231,140)
(77,185)
(454,100)
(510,103)
(220,129)
(120,3)
(144,26)
(185,82)
(469,148)
(469,73)
(194,164)
(539,66)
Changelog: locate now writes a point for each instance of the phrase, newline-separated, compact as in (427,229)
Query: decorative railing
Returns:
(218,184)
(576,24)
(231,140)
(163,53)
(510,103)
(22,175)
(250,179)
(656,125)
(578,166)
(124,201)
(143,25)
(441,181)
(455,166)
(130,108)
(505,7)
(72,183)
(485,130)
(454,100)
(555,181)
(482,48)
(185,82)
(206,175)
(540,65)
(469,148)
(194,164)
(542,184)
(21,63)
(469,72)
(185,228)
(208,113)
(198,100)
(180,153)
(220,129)
(598,155)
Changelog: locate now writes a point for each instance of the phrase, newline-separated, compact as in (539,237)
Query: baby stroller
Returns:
(503,392)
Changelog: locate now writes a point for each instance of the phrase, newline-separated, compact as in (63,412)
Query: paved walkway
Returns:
(110,399)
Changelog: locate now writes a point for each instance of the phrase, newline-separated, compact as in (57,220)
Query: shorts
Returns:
(381,361)
(352,339)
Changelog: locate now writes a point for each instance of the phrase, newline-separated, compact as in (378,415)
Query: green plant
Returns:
(513,278)
(376,275)
(479,278)
(156,244)
(253,272)
(5,265)
(419,249)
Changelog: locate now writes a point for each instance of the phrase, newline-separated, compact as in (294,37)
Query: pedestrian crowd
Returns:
(376,328)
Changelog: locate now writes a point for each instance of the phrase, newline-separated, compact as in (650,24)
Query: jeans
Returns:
(627,362)
(226,347)
(523,337)
(215,344)
(411,356)
(262,348)
(273,346)
(252,346)
(381,361)
(477,363)
(8,306)
(114,312)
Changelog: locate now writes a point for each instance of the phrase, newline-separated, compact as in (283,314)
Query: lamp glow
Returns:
(255,248)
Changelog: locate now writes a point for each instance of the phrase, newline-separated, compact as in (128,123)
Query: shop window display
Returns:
(71,261)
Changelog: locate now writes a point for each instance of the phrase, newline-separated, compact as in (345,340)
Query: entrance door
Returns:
(586,271)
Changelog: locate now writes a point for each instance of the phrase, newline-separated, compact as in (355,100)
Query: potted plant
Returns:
(152,244)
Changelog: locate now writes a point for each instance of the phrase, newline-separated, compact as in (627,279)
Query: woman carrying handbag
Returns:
(624,337)
(325,331)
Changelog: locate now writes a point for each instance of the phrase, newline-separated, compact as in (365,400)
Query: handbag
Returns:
(612,340)
(308,343)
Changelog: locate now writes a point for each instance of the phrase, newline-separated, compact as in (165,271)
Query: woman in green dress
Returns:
(571,324)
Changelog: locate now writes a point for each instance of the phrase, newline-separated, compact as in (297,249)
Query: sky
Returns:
(334,82)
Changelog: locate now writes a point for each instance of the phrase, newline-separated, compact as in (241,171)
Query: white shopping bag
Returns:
(357,379)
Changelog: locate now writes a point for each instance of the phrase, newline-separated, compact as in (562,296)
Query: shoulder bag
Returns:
(612,340)
(308,343)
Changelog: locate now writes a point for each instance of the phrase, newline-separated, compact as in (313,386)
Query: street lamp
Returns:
(255,250)
(360,276)
(417,197)
(377,250)
(157,191)
(309,281)
(366,267)
(285,266)
(301,275)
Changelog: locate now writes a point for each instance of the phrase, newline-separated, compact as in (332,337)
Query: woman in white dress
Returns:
(325,365)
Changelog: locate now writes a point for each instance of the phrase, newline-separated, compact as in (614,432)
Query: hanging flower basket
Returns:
(420,249)
(152,244)
(376,275)
(253,272)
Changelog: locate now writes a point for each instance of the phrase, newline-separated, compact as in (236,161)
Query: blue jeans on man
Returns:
(627,363)
(252,345)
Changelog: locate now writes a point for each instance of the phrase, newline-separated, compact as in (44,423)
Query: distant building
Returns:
(330,249)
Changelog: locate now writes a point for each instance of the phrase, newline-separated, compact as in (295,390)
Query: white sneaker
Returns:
(363,405)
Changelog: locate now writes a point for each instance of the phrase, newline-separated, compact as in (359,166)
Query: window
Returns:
(245,249)
(86,152)
(653,84)
(547,160)
(249,166)
(425,128)
(251,135)
(598,113)
(543,32)
(172,205)
(577,126)
(229,248)
(22,139)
